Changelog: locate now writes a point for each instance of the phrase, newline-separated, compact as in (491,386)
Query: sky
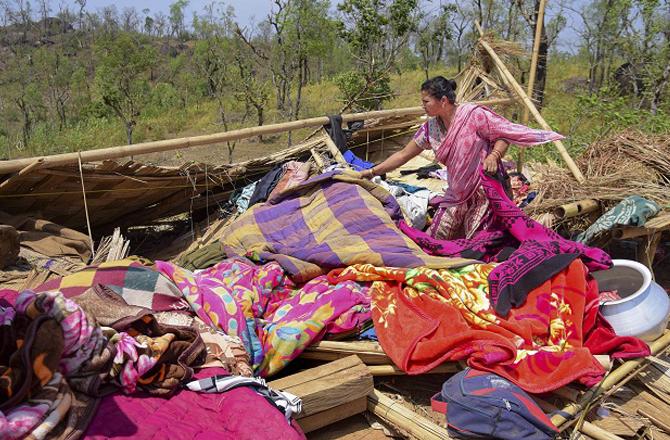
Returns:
(254,11)
(247,11)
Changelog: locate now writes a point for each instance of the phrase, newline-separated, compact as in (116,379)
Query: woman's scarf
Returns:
(469,139)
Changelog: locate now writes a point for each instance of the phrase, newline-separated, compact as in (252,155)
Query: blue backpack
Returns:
(479,404)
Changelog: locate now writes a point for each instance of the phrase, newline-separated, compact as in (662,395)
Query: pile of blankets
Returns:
(105,351)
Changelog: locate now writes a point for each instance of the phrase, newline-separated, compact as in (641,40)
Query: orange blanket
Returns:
(425,317)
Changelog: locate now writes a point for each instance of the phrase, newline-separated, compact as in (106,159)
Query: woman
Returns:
(465,137)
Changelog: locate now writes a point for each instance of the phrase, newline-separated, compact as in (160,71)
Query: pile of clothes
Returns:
(118,348)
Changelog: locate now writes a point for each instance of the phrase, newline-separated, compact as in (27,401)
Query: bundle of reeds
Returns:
(624,164)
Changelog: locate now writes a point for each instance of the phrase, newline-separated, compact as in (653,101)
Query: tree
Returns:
(549,33)
(375,30)
(56,72)
(177,27)
(295,32)
(121,77)
(645,46)
(213,59)
(433,32)
(250,87)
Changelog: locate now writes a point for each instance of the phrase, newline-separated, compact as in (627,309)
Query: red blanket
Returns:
(426,317)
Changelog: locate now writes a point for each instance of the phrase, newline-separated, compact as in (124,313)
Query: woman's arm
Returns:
(395,160)
(497,153)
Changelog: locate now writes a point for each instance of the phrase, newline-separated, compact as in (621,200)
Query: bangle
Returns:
(497,153)
(372,172)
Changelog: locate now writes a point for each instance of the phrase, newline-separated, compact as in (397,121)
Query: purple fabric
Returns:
(236,414)
(532,252)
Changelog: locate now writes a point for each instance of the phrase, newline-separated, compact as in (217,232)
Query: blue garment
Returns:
(356,162)
(369,334)
(406,186)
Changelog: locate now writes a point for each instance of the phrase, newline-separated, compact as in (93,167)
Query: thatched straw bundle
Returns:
(628,163)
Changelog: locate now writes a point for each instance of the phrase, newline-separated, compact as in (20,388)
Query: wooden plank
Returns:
(329,385)
(332,415)
(371,353)
(405,419)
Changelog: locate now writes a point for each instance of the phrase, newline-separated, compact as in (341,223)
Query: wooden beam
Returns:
(514,85)
(407,420)
(333,415)
(533,69)
(328,386)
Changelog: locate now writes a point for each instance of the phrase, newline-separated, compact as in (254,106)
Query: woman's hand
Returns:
(490,164)
(368,174)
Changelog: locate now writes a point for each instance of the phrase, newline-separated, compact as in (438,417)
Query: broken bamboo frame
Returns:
(576,208)
(508,78)
(11,166)
(407,420)
(539,23)
(609,382)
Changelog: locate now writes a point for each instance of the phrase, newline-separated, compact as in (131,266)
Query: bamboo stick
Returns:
(392,370)
(576,208)
(533,69)
(597,432)
(407,420)
(10,166)
(36,164)
(609,381)
(514,85)
(332,148)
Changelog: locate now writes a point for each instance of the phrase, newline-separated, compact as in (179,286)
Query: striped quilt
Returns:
(332,220)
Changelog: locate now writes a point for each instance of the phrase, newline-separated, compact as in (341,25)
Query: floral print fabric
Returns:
(275,319)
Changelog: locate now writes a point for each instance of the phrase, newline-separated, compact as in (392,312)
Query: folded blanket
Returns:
(332,220)
(446,315)
(631,211)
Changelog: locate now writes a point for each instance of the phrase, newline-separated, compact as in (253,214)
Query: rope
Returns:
(88,220)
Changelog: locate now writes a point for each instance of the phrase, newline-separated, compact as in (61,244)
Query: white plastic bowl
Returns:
(644,307)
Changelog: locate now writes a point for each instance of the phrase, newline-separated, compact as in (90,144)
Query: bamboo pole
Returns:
(597,432)
(34,165)
(392,370)
(407,420)
(576,208)
(332,148)
(514,85)
(609,381)
(11,166)
(533,69)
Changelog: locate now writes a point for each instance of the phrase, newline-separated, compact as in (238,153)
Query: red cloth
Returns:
(424,318)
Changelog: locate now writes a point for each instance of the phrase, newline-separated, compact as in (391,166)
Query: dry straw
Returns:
(625,164)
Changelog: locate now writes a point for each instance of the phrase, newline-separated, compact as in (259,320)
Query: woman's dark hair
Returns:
(440,86)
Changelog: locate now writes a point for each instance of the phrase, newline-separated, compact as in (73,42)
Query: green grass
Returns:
(581,119)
